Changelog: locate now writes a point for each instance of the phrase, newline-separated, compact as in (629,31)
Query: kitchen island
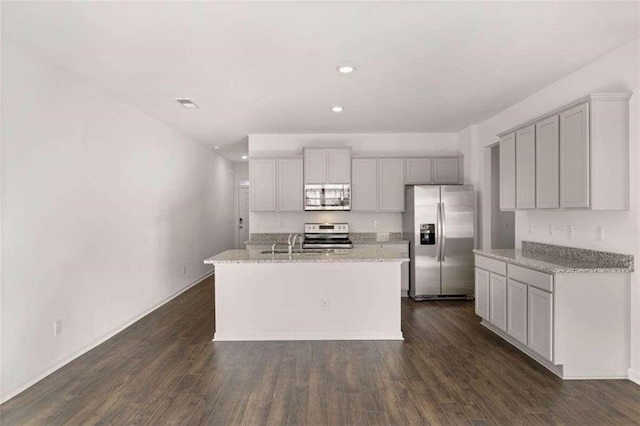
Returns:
(344,295)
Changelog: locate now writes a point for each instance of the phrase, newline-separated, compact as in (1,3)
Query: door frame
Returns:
(241,182)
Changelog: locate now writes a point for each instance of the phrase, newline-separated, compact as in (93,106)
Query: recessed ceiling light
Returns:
(337,108)
(244,157)
(216,147)
(187,103)
(346,69)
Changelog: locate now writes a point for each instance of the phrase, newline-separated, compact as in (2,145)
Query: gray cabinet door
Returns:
(498,301)
(517,310)
(446,170)
(391,184)
(262,188)
(290,184)
(418,171)
(482,293)
(508,172)
(364,184)
(339,165)
(574,157)
(548,163)
(540,322)
(315,165)
(526,168)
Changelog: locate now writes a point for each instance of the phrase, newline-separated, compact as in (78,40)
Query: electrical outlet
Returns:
(570,231)
(599,233)
(530,229)
(551,230)
(184,270)
(57,327)
(376,223)
(324,304)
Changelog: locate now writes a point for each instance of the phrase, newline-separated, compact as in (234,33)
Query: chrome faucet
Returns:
(292,243)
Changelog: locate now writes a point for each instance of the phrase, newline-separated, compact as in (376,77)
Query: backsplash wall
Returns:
(294,221)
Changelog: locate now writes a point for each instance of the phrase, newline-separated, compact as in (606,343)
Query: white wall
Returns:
(409,144)
(103,207)
(616,71)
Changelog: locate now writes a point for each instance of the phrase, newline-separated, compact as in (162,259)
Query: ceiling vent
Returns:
(187,103)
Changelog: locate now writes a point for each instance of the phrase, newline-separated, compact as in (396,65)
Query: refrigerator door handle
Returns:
(439,232)
(443,233)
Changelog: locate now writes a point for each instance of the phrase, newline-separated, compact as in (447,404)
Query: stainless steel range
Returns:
(326,236)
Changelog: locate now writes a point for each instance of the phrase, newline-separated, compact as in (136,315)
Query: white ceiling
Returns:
(261,67)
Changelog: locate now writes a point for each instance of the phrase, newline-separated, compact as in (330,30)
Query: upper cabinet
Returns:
(574,157)
(377,184)
(447,170)
(526,168)
(418,171)
(262,184)
(315,165)
(548,163)
(290,185)
(364,184)
(508,172)
(276,184)
(327,165)
(391,185)
(437,170)
(579,155)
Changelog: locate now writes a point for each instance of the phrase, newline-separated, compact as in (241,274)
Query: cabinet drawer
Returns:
(529,276)
(492,265)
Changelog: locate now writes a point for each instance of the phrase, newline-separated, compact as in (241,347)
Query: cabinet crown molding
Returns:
(605,96)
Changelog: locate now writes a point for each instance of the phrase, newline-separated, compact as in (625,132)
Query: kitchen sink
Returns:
(297,253)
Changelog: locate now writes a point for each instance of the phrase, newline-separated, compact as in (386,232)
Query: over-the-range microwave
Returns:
(327,197)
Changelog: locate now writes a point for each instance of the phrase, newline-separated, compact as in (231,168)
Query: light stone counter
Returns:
(561,259)
(355,255)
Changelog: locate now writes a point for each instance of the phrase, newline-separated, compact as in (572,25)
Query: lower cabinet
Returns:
(482,293)
(498,300)
(540,320)
(517,310)
(575,324)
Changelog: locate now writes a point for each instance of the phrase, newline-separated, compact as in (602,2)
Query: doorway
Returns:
(242,214)
(502,222)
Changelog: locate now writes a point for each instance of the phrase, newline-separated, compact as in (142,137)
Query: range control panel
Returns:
(326,228)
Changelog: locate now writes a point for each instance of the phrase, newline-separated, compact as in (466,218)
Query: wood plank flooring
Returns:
(164,369)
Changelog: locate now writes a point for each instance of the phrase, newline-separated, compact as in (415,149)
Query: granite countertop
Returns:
(365,243)
(355,255)
(560,259)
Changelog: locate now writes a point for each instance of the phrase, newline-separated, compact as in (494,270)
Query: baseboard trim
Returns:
(230,337)
(56,366)
(634,376)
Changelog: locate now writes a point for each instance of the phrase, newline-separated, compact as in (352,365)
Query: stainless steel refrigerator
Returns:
(439,223)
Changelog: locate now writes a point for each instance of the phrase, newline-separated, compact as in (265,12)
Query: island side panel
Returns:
(284,301)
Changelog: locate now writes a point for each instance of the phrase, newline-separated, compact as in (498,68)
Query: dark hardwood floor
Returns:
(449,370)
